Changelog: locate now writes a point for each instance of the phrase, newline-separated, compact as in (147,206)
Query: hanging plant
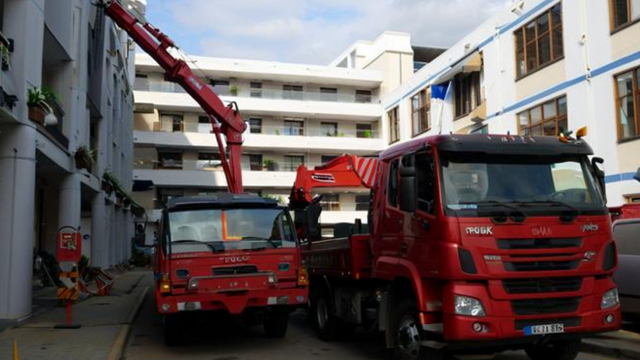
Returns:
(84,157)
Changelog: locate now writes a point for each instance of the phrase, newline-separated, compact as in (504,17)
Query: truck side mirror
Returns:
(595,162)
(407,184)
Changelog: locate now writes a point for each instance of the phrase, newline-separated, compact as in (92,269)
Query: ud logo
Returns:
(589,227)
(541,231)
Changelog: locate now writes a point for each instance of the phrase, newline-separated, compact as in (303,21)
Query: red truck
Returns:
(475,243)
(232,252)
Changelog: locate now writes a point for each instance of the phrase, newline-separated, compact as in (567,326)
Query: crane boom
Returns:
(225,119)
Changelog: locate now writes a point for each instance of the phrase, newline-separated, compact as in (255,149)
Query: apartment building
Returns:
(540,67)
(296,114)
(70,52)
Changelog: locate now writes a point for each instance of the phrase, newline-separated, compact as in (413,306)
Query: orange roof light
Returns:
(582,132)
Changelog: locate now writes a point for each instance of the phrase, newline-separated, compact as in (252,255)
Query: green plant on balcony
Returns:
(6,58)
(277,132)
(84,157)
(39,109)
(366,134)
(233,90)
(341,134)
(269,164)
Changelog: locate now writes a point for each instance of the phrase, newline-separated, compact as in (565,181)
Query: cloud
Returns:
(312,31)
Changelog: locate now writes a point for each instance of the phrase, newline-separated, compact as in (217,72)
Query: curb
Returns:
(117,349)
(595,346)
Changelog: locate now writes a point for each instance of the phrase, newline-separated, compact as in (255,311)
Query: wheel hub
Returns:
(408,338)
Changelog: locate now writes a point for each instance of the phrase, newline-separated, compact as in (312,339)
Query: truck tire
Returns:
(408,335)
(559,350)
(324,317)
(276,323)
(172,330)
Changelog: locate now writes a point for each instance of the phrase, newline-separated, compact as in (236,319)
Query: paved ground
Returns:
(230,341)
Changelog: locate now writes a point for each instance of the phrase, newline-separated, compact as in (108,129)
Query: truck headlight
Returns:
(468,306)
(610,299)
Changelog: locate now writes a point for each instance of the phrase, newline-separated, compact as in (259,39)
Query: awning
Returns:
(472,62)
(142,185)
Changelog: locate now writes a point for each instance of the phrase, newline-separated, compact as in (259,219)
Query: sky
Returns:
(310,31)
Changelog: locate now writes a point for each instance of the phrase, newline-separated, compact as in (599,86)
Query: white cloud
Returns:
(316,31)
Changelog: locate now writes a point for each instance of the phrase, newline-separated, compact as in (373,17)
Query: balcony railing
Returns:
(168,87)
(267,164)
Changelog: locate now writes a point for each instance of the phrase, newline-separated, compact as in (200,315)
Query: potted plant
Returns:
(366,134)
(233,90)
(270,165)
(37,104)
(277,132)
(6,59)
(108,182)
(84,157)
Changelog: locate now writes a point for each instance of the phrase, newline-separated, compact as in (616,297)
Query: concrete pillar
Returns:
(69,206)
(17,235)
(99,248)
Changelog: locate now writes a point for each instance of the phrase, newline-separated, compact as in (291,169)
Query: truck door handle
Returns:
(404,247)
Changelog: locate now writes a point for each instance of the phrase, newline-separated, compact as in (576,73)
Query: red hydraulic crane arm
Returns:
(342,172)
(156,44)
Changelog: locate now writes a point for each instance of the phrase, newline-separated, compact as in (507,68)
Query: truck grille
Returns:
(527,286)
(247,269)
(545,306)
(568,322)
(545,243)
(541,265)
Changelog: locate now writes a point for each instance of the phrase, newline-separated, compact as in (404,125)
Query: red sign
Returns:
(69,246)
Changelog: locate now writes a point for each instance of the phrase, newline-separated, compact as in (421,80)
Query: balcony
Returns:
(292,104)
(205,179)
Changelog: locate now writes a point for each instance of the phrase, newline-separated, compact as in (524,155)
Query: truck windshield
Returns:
(231,229)
(532,185)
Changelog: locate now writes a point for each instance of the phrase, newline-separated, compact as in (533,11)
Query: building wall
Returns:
(41,188)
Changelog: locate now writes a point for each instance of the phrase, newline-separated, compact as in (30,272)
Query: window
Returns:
(292,92)
(255,162)
(326,158)
(539,42)
(362,202)
(203,119)
(221,87)
(169,160)
(328,94)
(329,129)
(293,128)
(178,123)
(420,112)
(467,93)
(330,202)
(426,178)
(363,96)
(624,12)
(208,160)
(364,131)
(164,195)
(549,119)
(394,125)
(255,125)
(255,89)
(628,103)
(392,188)
(292,162)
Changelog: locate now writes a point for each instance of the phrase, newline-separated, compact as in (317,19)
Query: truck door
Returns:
(391,219)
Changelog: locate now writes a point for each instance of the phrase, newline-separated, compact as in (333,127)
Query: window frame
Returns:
(363,96)
(394,124)
(551,28)
(636,103)
(329,94)
(329,124)
(360,132)
(612,17)
(251,126)
(289,157)
(470,97)
(292,121)
(180,123)
(292,92)
(255,89)
(422,111)
(558,117)
(330,202)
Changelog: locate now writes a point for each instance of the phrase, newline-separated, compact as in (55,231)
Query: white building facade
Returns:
(539,67)
(72,49)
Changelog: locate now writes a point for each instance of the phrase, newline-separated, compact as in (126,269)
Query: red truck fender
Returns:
(392,268)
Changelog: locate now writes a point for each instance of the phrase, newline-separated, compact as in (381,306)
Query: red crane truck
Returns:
(475,243)
(231,252)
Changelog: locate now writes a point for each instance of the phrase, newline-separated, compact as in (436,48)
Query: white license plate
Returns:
(544,329)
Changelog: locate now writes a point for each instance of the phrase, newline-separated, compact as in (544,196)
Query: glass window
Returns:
(169,159)
(539,42)
(421,111)
(628,102)
(362,202)
(364,131)
(329,129)
(549,118)
(255,162)
(255,89)
(292,162)
(624,12)
(328,94)
(221,87)
(394,125)
(466,93)
(208,160)
(293,128)
(392,188)
(203,119)
(330,202)
(177,123)
(363,96)
(292,92)
(255,125)
(426,180)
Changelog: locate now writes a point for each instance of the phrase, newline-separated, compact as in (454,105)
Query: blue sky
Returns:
(310,31)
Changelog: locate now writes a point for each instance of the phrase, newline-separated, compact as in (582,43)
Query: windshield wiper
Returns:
(515,209)
(573,211)
(186,241)
(273,243)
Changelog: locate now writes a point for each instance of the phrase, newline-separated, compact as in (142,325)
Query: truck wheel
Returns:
(276,323)
(408,335)
(559,350)
(325,319)
(172,328)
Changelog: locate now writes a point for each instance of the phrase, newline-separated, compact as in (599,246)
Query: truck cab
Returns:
(231,253)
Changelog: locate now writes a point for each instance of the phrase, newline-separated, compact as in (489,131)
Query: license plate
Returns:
(544,329)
